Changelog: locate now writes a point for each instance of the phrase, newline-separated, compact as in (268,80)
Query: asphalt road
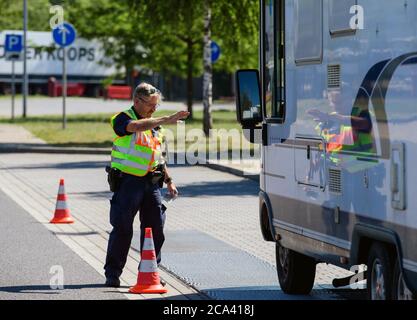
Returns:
(213,241)
(32,258)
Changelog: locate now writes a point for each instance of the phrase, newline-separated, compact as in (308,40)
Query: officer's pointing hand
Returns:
(178,116)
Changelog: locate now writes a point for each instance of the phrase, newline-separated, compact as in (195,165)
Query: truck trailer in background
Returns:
(87,66)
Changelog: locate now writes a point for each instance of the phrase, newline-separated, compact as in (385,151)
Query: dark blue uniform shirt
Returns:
(121,122)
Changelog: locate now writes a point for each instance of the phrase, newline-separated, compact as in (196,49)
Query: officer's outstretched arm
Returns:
(150,123)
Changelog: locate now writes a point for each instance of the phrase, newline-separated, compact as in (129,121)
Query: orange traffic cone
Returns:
(148,277)
(62,213)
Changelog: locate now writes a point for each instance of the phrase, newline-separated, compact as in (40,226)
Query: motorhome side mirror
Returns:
(253,135)
(248,98)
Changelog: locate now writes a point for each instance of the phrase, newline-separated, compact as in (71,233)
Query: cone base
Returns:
(153,288)
(62,220)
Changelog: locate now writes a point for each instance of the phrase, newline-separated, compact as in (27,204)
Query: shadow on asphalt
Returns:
(216,188)
(275,293)
(94,194)
(44,289)
(71,165)
(182,297)
(83,234)
(255,293)
(243,187)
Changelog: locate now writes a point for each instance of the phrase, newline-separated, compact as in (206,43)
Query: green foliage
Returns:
(173,35)
(94,130)
(164,36)
(112,22)
(178,23)
(11,17)
(235,25)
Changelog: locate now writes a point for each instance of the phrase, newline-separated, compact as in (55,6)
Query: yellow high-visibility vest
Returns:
(138,153)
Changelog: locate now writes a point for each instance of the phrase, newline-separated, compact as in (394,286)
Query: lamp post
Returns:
(25,74)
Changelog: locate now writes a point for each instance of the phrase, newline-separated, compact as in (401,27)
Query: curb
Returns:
(41,148)
(234,171)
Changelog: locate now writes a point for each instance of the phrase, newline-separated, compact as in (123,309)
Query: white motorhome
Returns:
(337,89)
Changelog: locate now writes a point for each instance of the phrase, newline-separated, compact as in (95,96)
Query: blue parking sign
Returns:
(14,43)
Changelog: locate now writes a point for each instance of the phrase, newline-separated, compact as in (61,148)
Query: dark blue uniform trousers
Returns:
(135,194)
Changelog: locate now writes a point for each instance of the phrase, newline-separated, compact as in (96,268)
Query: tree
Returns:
(179,31)
(176,37)
(175,34)
(115,25)
(12,15)
(208,70)
(235,28)
(234,23)
(164,36)
(168,36)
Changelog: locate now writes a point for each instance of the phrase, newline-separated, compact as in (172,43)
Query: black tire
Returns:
(399,288)
(379,274)
(296,272)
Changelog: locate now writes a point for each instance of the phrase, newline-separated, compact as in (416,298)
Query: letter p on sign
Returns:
(13,43)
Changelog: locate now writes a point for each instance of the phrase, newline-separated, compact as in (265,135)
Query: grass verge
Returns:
(94,130)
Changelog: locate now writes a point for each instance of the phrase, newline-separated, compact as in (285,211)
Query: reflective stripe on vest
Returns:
(136,153)
(348,140)
(362,145)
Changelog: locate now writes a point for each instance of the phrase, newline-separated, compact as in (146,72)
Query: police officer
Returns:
(136,164)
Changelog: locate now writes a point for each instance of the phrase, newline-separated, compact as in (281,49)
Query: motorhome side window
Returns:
(273,68)
(308,31)
(340,17)
(269,56)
